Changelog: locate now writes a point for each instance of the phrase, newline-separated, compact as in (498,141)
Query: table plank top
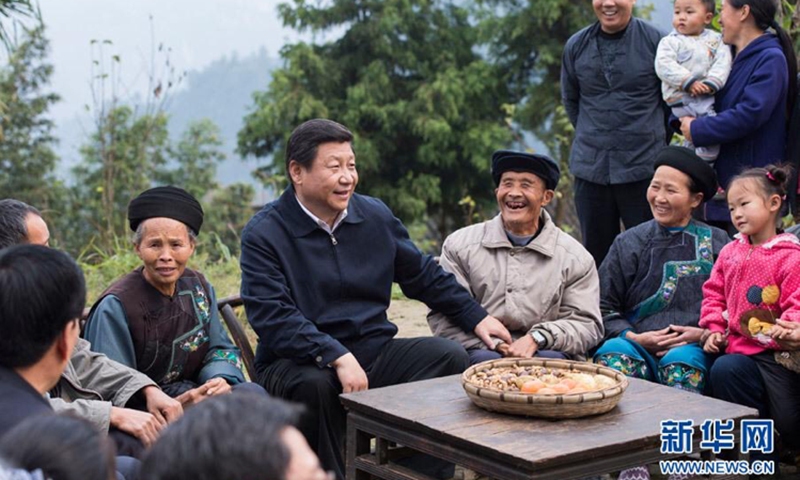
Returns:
(440,408)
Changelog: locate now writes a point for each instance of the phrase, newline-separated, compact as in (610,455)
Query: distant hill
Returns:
(223,92)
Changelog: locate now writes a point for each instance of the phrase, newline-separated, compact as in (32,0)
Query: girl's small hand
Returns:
(777,332)
(787,334)
(714,343)
(686,128)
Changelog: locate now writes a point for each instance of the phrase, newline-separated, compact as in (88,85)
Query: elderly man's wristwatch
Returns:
(540,340)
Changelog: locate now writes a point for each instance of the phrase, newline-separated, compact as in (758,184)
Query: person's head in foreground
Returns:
(21,223)
(42,295)
(259,442)
(61,447)
(681,182)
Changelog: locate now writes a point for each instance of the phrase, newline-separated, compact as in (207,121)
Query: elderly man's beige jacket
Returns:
(92,383)
(550,285)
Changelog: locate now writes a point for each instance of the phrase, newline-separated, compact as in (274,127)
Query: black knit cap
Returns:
(685,160)
(542,166)
(170,202)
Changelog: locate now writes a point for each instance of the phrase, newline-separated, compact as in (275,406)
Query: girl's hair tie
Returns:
(771,177)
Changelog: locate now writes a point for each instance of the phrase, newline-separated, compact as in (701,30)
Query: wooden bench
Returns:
(226,308)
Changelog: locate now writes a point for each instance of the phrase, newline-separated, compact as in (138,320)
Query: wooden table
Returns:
(436,417)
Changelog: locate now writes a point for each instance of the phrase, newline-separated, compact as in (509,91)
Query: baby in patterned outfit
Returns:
(693,64)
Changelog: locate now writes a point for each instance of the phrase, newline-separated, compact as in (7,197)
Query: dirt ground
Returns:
(409,316)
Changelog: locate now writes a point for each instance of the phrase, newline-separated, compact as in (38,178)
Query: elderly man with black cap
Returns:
(539,281)
(651,281)
(162,318)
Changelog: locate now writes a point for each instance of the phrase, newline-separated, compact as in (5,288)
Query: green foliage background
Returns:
(429,87)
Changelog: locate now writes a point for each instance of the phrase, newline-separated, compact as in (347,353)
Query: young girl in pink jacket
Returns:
(756,279)
(753,287)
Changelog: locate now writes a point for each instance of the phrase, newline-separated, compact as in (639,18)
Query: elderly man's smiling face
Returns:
(520,197)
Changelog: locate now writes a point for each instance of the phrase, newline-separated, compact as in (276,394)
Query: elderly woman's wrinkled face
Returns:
(670,199)
(164,248)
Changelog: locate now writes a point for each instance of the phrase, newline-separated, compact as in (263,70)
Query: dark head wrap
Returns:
(685,160)
(542,166)
(170,202)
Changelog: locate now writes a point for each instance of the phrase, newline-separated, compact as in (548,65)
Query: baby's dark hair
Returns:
(772,179)
(711,5)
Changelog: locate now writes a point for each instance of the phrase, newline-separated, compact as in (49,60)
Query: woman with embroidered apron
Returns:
(651,281)
(162,318)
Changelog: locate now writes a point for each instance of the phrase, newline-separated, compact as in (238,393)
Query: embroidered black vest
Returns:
(170,334)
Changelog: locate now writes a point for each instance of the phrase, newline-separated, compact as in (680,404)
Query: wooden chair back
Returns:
(238,335)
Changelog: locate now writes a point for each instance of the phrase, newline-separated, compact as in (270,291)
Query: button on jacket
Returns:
(619,116)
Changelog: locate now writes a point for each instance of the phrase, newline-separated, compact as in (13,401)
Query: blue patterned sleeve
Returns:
(107,330)
(223,358)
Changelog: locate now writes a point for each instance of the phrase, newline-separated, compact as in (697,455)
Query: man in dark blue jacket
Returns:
(317,272)
(43,295)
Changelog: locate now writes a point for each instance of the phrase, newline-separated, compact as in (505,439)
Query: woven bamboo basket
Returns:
(570,405)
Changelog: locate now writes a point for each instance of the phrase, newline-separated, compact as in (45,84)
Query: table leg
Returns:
(357,444)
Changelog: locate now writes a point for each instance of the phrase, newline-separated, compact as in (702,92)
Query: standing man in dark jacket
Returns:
(613,99)
(317,272)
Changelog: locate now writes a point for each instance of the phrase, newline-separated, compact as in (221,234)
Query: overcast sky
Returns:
(198,31)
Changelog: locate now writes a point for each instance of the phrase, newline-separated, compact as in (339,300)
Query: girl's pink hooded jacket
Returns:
(749,288)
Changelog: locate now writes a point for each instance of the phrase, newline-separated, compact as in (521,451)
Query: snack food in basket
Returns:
(541,380)
(544,387)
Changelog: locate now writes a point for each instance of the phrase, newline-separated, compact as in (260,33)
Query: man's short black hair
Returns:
(13,215)
(61,446)
(304,140)
(41,291)
(231,437)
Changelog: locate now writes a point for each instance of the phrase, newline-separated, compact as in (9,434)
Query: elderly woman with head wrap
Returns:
(162,318)
(651,281)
